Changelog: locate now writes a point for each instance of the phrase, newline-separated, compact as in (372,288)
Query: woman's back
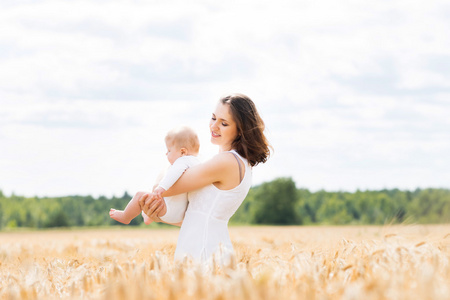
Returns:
(204,227)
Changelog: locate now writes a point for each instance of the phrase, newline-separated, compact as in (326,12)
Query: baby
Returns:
(182,149)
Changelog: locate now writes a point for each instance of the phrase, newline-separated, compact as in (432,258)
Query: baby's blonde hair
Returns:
(184,137)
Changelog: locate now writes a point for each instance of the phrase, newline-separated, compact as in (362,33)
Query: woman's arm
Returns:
(219,170)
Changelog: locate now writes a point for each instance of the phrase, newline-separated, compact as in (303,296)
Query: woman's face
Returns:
(223,128)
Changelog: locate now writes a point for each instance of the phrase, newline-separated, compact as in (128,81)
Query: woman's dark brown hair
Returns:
(250,143)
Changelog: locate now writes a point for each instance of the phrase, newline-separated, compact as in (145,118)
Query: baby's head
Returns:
(181,141)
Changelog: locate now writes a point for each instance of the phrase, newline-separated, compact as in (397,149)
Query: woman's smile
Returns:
(223,127)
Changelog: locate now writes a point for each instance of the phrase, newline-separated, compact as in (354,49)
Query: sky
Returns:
(354,94)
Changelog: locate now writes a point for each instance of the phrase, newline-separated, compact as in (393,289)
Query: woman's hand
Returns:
(152,204)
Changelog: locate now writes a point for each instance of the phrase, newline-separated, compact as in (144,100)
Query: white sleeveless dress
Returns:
(204,231)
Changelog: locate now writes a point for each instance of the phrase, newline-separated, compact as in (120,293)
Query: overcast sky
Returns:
(354,94)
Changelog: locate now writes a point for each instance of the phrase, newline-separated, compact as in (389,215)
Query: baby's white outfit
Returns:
(205,226)
(176,205)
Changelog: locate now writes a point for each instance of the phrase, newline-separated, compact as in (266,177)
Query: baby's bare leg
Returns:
(132,210)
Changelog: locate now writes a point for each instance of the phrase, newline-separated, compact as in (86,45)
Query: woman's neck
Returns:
(224,149)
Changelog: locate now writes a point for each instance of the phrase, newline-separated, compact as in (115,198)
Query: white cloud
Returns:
(353,94)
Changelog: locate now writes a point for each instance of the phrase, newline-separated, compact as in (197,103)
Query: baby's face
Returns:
(173,153)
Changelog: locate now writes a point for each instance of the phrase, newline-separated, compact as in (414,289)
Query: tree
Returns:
(1,215)
(243,215)
(274,202)
(335,211)
(58,219)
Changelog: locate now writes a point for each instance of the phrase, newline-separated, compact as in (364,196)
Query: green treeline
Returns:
(274,202)
(69,211)
(280,202)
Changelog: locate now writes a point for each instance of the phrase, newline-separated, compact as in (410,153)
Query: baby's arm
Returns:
(175,208)
(174,173)
(158,191)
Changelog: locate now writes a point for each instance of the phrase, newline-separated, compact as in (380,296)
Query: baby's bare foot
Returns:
(119,216)
(147,220)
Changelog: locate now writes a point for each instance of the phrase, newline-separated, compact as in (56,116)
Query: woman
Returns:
(218,186)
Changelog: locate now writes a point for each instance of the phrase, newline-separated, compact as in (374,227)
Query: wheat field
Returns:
(354,262)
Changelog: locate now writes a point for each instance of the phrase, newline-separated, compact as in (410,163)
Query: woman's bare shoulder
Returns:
(218,164)
(223,158)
